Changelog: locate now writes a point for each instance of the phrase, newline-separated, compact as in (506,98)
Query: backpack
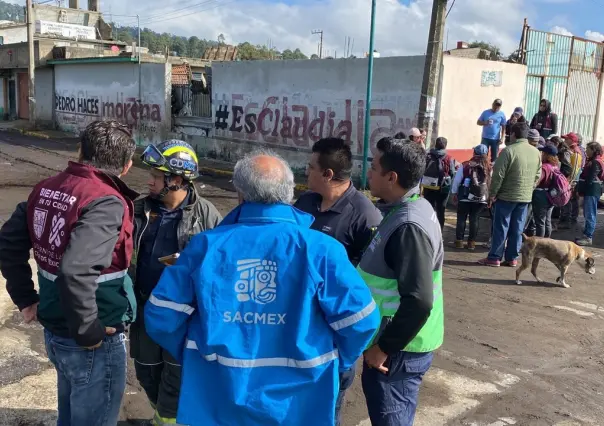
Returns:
(477,190)
(437,176)
(559,191)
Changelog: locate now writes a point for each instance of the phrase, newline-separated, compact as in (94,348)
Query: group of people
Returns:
(521,186)
(257,318)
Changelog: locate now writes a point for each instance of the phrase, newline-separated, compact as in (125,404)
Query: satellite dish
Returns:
(114,48)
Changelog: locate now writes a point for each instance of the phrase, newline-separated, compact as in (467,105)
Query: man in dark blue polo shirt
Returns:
(340,210)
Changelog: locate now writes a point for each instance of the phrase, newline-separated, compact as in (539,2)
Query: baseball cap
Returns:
(549,149)
(518,110)
(415,132)
(533,134)
(498,101)
(481,150)
(572,137)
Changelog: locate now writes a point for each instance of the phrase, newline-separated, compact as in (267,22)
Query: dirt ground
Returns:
(523,355)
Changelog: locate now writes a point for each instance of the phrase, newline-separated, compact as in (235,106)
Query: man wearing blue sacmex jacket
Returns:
(262,311)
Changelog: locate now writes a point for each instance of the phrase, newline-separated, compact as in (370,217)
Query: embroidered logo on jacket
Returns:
(256,281)
(39,221)
(56,232)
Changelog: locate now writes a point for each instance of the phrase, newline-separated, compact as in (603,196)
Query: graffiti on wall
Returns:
(278,121)
(81,109)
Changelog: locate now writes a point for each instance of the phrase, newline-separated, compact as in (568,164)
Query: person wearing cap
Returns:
(468,205)
(533,137)
(415,135)
(164,222)
(493,123)
(590,188)
(541,206)
(517,115)
(545,121)
(571,167)
(515,175)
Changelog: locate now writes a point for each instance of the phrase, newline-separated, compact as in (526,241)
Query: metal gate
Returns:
(568,72)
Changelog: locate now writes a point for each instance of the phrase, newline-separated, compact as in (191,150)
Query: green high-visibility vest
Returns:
(382,280)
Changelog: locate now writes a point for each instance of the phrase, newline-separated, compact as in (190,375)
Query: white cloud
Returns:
(561,31)
(401,29)
(594,35)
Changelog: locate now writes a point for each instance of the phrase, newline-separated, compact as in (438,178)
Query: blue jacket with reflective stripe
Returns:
(263,312)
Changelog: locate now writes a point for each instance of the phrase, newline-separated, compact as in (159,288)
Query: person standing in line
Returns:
(590,188)
(437,179)
(517,115)
(542,208)
(79,225)
(545,121)
(403,268)
(262,311)
(415,135)
(574,161)
(493,123)
(340,211)
(471,194)
(533,139)
(516,172)
(164,222)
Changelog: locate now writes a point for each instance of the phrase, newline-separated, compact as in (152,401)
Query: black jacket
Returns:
(198,216)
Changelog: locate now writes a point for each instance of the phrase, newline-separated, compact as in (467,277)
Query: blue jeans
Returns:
(508,223)
(91,382)
(392,398)
(590,212)
(346,380)
(493,144)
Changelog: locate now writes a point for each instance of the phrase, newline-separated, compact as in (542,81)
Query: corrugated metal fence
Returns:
(568,72)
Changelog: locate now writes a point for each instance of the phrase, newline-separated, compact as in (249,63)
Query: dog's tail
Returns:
(524,237)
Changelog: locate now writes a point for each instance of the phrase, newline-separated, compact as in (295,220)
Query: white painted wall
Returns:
(88,92)
(16,34)
(44,95)
(291,104)
(463,98)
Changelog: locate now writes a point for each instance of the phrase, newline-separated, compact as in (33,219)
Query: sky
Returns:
(401,25)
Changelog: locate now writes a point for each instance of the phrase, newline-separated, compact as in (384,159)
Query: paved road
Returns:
(524,355)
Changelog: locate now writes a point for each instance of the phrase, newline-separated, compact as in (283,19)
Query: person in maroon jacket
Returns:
(79,226)
(542,207)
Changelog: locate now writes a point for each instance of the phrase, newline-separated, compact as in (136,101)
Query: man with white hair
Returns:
(262,311)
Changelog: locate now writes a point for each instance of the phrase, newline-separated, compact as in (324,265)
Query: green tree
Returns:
(296,54)
(314,56)
(495,51)
(221,39)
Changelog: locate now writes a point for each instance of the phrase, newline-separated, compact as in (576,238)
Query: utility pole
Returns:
(320,32)
(366,140)
(32,64)
(427,101)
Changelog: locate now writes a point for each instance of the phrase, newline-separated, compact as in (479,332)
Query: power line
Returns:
(191,13)
(451,7)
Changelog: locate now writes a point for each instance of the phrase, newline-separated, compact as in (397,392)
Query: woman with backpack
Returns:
(436,182)
(590,188)
(470,191)
(542,205)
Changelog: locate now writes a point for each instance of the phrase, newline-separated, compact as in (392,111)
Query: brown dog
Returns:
(560,253)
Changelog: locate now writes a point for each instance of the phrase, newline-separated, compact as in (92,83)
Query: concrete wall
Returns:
(3,101)
(68,16)
(14,34)
(466,93)
(88,92)
(17,55)
(288,105)
(44,96)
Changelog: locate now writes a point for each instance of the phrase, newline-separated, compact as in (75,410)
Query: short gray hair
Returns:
(257,186)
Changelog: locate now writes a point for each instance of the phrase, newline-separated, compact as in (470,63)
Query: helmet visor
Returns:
(153,157)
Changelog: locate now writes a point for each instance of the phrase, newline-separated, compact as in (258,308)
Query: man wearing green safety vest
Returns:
(402,266)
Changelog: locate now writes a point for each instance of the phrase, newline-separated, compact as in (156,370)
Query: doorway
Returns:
(23,89)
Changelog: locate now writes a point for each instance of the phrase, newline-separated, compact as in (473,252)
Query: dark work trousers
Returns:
(542,214)
(438,200)
(570,212)
(156,370)
(392,398)
(346,380)
(529,228)
(465,209)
